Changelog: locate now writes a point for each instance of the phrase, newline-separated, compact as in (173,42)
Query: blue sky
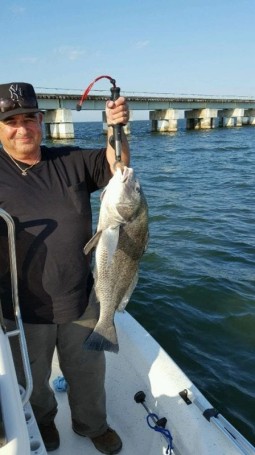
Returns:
(167,46)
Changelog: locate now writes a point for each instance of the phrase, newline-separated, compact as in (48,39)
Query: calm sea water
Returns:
(196,292)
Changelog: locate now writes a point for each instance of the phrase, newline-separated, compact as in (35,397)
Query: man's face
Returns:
(21,134)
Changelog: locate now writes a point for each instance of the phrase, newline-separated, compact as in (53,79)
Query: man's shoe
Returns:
(108,442)
(50,436)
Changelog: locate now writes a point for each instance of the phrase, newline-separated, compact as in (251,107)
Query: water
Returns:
(197,278)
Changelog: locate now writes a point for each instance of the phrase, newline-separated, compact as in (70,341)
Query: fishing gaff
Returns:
(115,140)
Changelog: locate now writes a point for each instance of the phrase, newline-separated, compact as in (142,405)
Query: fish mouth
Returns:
(127,174)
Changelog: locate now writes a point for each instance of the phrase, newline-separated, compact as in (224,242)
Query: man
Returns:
(47,192)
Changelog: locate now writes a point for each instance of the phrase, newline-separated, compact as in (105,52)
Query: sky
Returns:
(175,47)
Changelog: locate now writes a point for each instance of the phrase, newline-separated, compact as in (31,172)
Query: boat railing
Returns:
(19,331)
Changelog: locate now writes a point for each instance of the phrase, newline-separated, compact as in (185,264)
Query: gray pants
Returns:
(83,370)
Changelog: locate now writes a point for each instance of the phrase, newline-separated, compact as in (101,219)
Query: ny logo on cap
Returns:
(16,93)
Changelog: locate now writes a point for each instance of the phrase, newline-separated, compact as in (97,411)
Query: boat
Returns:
(151,403)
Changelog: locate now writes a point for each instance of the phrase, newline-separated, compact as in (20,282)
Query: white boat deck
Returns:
(143,365)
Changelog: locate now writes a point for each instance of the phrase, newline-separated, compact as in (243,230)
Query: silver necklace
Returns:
(24,171)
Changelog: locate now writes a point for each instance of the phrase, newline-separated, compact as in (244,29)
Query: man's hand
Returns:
(117,111)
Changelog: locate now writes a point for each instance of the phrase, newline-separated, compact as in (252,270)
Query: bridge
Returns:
(199,112)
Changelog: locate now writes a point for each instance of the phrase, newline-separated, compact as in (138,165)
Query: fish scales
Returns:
(120,242)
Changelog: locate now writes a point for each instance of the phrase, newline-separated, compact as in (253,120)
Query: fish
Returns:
(119,242)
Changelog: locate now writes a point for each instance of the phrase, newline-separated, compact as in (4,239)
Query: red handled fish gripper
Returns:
(115,140)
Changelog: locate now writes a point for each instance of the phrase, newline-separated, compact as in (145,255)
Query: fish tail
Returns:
(102,342)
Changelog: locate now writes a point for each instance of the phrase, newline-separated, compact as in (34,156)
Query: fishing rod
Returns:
(115,140)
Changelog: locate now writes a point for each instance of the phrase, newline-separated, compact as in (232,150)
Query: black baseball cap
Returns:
(17,98)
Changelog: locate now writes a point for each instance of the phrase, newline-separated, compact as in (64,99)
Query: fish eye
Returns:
(137,188)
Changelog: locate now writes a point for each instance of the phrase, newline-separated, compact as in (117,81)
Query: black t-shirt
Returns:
(52,214)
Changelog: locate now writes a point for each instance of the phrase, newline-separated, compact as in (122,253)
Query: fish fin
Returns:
(99,342)
(90,317)
(128,294)
(147,242)
(102,194)
(92,243)
(110,237)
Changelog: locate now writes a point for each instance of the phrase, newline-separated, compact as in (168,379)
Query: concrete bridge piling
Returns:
(250,115)
(59,124)
(231,117)
(164,120)
(200,119)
